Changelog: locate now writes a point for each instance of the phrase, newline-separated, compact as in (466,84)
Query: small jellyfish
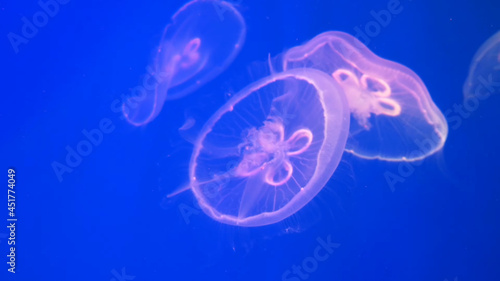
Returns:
(393,115)
(484,72)
(203,38)
(251,166)
(187,130)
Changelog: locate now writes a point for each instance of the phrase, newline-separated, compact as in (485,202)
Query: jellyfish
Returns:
(203,38)
(392,114)
(484,71)
(270,149)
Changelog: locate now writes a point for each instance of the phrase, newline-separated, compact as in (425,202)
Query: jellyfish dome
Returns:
(270,149)
(203,38)
(393,115)
(484,71)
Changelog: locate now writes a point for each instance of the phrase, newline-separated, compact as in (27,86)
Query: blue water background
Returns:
(109,216)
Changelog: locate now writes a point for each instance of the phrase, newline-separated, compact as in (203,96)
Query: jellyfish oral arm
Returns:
(251,164)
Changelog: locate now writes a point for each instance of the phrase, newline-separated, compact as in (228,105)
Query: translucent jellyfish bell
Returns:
(484,71)
(270,149)
(203,39)
(394,115)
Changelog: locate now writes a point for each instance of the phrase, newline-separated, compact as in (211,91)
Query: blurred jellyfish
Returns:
(188,124)
(187,130)
(203,39)
(394,117)
(251,167)
(484,71)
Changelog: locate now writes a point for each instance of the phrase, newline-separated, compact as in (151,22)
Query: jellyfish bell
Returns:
(393,115)
(484,71)
(195,47)
(199,44)
(251,167)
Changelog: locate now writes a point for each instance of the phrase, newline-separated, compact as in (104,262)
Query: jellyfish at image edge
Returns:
(393,115)
(484,71)
(203,38)
(270,149)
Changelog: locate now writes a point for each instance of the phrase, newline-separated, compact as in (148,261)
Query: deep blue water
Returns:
(108,218)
